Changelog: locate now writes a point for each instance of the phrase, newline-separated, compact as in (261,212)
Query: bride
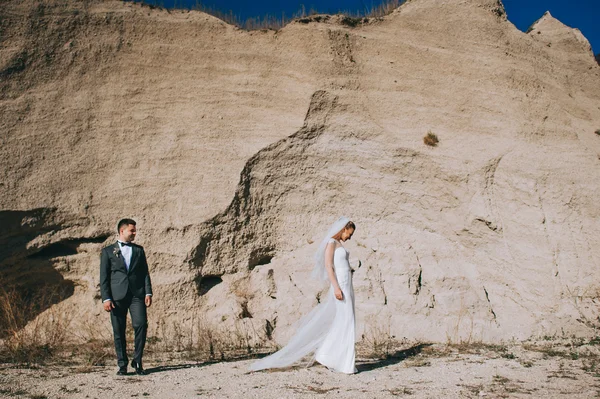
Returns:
(327,331)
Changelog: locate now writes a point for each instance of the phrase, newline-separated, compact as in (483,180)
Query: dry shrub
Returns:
(431,139)
(16,391)
(419,361)
(171,337)
(385,8)
(204,340)
(401,391)
(33,337)
(352,21)
(277,22)
(598,132)
(548,350)
(242,291)
(462,332)
(222,342)
(254,23)
(478,347)
(94,346)
(93,353)
(34,341)
(377,342)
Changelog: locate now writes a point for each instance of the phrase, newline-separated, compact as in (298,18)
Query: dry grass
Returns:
(218,342)
(201,340)
(584,352)
(431,139)
(401,391)
(12,391)
(31,338)
(241,290)
(353,22)
(93,353)
(477,347)
(548,350)
(417,361)
(311,390)
(571,349)
(34,341)
(48,336)
(276,22)
(377,342)
(385,8)
(456,334)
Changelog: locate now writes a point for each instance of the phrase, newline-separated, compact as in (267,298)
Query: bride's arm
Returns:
(329,250)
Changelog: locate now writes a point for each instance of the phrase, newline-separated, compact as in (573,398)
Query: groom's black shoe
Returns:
(122,371)
(138,368)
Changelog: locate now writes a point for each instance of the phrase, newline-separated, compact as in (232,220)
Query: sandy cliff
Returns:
(234,150)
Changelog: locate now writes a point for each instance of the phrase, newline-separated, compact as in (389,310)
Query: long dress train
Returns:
(328,331)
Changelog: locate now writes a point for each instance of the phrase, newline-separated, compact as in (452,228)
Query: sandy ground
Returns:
(420,372)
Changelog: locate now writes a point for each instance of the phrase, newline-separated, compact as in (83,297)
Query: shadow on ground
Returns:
(393,358)
(160,369)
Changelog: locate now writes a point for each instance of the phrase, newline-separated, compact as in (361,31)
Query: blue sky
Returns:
(581,14)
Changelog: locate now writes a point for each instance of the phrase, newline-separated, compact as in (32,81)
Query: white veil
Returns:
(312,328)
(319,272)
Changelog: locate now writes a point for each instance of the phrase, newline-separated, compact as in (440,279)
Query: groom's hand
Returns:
(108,306)
(148,301)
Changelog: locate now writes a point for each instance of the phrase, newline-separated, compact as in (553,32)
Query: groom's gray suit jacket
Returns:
(115,280)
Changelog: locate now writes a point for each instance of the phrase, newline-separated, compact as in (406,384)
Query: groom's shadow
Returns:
(393,358)
(159,369)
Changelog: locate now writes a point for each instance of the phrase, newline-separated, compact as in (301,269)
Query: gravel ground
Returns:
(427,372)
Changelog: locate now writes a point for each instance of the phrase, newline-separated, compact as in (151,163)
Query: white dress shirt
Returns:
(126,250)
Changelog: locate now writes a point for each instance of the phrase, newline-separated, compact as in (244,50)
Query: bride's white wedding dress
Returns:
(328,331)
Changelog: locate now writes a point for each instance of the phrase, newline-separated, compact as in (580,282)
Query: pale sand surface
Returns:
(435,373)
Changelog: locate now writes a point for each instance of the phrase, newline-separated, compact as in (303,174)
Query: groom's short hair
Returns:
(124,222)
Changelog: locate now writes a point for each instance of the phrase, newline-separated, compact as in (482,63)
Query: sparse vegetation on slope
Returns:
(431,139)
(41,339)
(269,21)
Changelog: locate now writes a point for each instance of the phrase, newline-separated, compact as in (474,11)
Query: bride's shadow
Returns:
(393,358)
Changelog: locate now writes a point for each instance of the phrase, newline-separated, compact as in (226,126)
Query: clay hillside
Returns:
(235,150)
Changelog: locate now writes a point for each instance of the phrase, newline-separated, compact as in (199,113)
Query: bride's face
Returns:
(347,234)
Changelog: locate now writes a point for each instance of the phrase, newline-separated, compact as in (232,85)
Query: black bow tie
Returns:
(125,243)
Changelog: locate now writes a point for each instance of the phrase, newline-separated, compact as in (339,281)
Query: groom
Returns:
(125,286)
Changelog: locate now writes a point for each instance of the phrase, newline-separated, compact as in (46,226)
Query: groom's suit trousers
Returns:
(139,321)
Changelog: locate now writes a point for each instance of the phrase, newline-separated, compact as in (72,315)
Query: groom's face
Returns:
(127,233)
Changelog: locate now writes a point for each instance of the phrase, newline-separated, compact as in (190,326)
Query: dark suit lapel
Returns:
(117,250)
